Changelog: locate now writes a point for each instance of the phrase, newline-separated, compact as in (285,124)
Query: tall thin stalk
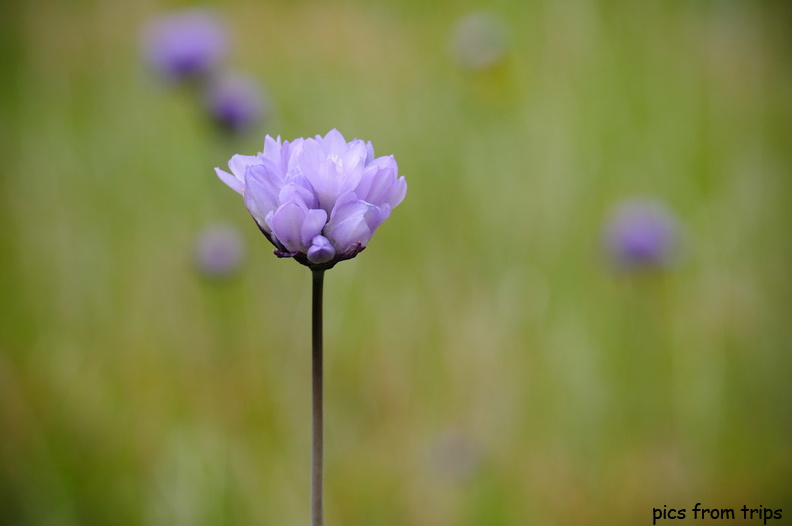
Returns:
(317,452)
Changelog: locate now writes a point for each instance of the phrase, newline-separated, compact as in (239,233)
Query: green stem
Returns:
(317,453)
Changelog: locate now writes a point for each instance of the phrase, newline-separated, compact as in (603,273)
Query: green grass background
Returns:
(484,366)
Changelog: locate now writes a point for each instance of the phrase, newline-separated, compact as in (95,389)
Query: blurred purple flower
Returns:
(219,250)
(235,103)
(185,44)
(317,200)
(478,41)
(642,233)
(455,456)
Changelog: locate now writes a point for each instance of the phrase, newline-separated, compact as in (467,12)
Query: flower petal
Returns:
(321,251)
(397,192)
(352,164)
(261,193)
(377,215)
(239,163)
(291,154)
(369,152)
(311,157)
(233,183)
(315,221)
(354,155)
(377,183)
(333,142)
(273,158)
(286,224)
(347,233)
(344,200)
(272,149)
(297,193)
(326,183)
(349,223)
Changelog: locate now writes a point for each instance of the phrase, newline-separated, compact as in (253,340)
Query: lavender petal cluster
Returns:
(234,103)
(185,44)
(219,251)
(479,41)
(189,46)
(642,234)
(318,200)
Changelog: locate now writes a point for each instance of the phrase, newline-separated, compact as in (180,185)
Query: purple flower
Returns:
(642,233)
(234,102)
(185,44)
(455,456)
(219,251)
(317,200)
(478,41)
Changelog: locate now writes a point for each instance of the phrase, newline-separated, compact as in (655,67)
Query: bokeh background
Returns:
(486,364)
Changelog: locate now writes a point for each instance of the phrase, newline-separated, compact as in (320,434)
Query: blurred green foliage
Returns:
(484,364)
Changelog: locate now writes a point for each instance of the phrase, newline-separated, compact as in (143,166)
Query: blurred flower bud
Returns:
(219,251)
(454,456)
(642,233)
(235,103)
(478,41)
(185,44)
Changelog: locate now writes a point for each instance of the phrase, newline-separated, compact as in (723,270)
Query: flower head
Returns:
(234,102)
(642,233)
(478,41)
(185,44)
(219,251)
(317,200)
